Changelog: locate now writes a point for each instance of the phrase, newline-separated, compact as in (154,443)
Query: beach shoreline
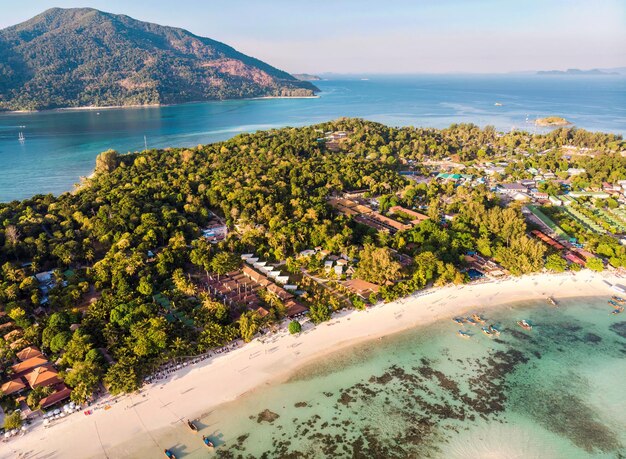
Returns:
(195,390)
(91,108)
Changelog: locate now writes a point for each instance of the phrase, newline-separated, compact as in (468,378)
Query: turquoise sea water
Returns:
(60,147)
(554,392)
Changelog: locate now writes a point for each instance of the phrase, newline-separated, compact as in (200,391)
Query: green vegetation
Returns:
(555,263)
(129,266)
(295,327)
(595,264)
(85,57)
(13,421)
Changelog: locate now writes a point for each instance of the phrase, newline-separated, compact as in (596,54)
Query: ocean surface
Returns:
(61,146)
(556,391)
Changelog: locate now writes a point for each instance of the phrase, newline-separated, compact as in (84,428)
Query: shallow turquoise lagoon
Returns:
(556,391)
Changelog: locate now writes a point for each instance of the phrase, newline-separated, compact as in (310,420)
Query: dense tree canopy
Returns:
(127,257)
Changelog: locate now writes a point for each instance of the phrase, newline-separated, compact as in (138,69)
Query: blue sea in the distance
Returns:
(61,146)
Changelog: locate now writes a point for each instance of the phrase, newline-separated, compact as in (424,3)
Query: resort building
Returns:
(362,288)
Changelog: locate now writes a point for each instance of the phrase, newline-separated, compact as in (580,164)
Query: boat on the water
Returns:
(552,301)
(615,304)
(471,321)
(192,426)
(488,332)
(524,324)
(618,310)
(207,442)
(464,334)
(478,318)
(169,454)
(459,320)
(618,299)
(494,331)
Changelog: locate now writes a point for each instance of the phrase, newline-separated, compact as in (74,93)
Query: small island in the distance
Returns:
(306,77)
(551,121)
(577,72)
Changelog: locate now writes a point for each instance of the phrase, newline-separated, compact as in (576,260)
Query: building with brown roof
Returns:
(42,377)
(362,288)
(416,216)
(294,308)
(13,386)
(29,364)
(28,352)
(62,393)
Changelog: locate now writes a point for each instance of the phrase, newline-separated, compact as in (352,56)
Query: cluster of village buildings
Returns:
(32,371)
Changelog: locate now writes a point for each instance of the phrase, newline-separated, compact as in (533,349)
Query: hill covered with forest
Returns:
(85,57)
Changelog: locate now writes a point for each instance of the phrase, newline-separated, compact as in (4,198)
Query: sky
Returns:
(389,36)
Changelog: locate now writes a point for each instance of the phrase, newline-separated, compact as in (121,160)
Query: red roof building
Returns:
(61,394)
(29,364)
(28,353)
(13,386)
(42,377)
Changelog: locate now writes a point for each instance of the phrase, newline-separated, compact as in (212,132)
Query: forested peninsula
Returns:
(133,269)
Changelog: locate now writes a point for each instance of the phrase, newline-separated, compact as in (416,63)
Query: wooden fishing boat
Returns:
(463,334)
(192,426)
(619,299)
(207,442)
(618,310)
(478,318)
(525,325)
(552,302)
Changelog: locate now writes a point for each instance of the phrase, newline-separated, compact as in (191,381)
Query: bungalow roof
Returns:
(28,352)
(42,376)
(13,386)
(63,393)
(29,364)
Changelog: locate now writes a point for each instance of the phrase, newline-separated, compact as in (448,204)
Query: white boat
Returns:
(21,137)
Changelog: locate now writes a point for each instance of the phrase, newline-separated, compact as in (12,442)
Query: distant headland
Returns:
(306,77)
(575,72)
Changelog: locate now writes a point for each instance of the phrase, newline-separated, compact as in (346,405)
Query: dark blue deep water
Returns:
(60,147)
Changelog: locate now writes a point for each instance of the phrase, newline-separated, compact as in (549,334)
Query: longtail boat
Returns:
(208,443)
(478,318)
(192,426)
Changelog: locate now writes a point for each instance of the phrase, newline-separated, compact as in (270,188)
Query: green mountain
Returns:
(85,57)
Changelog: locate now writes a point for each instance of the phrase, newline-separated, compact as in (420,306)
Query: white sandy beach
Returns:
(195,390)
